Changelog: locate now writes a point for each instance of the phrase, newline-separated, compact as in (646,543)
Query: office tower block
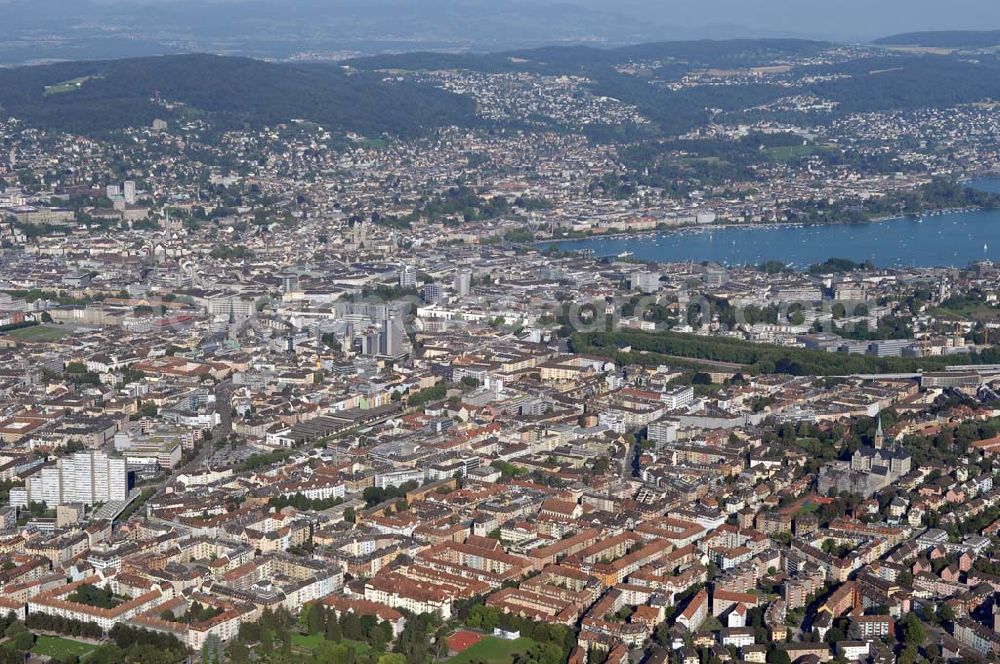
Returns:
(463,282)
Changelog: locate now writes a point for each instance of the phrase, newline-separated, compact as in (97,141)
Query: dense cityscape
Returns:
(273,390)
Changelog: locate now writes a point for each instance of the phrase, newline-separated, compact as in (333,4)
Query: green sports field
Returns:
(59,648)
(39,333)
(492,650)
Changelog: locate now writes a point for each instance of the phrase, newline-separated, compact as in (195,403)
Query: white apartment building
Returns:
(663,432)
(85,477)
(678,397)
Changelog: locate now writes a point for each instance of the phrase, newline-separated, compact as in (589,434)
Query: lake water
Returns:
(948,239)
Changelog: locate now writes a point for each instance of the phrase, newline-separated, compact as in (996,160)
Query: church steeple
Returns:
(879,435)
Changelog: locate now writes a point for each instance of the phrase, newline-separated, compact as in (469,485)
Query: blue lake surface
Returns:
(947,239)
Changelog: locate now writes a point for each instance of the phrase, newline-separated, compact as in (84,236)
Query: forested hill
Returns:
(945,39)
(90,97)
(872,82)
(376,95)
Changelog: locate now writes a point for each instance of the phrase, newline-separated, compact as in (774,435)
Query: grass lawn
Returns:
(789,152)
(307,641)
(312,641)
(973,311)
(711,624)
(67,86)
(58,647)
(808,508)
(38,333)
(690,161)
(492,650)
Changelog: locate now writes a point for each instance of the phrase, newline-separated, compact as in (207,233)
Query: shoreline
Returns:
(679,230)
(762,226)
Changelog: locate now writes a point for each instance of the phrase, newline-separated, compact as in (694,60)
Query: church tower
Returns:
(879,435)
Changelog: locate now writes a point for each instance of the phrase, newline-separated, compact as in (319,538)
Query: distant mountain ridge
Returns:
(566,59)
(944,39)
(297,29)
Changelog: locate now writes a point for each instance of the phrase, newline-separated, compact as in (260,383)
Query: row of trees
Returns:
(270,636)
(127,645)
(316,618)
(428,395)
(68,626)
(374,495)
(10,327)
(195,613)
(137,653)
(349,639)
(301,502)
(260,460)
(757,358)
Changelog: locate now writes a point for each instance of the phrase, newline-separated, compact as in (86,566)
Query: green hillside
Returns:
(90,97)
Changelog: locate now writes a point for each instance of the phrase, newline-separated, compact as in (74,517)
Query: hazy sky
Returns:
(834,19)
(850,19)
